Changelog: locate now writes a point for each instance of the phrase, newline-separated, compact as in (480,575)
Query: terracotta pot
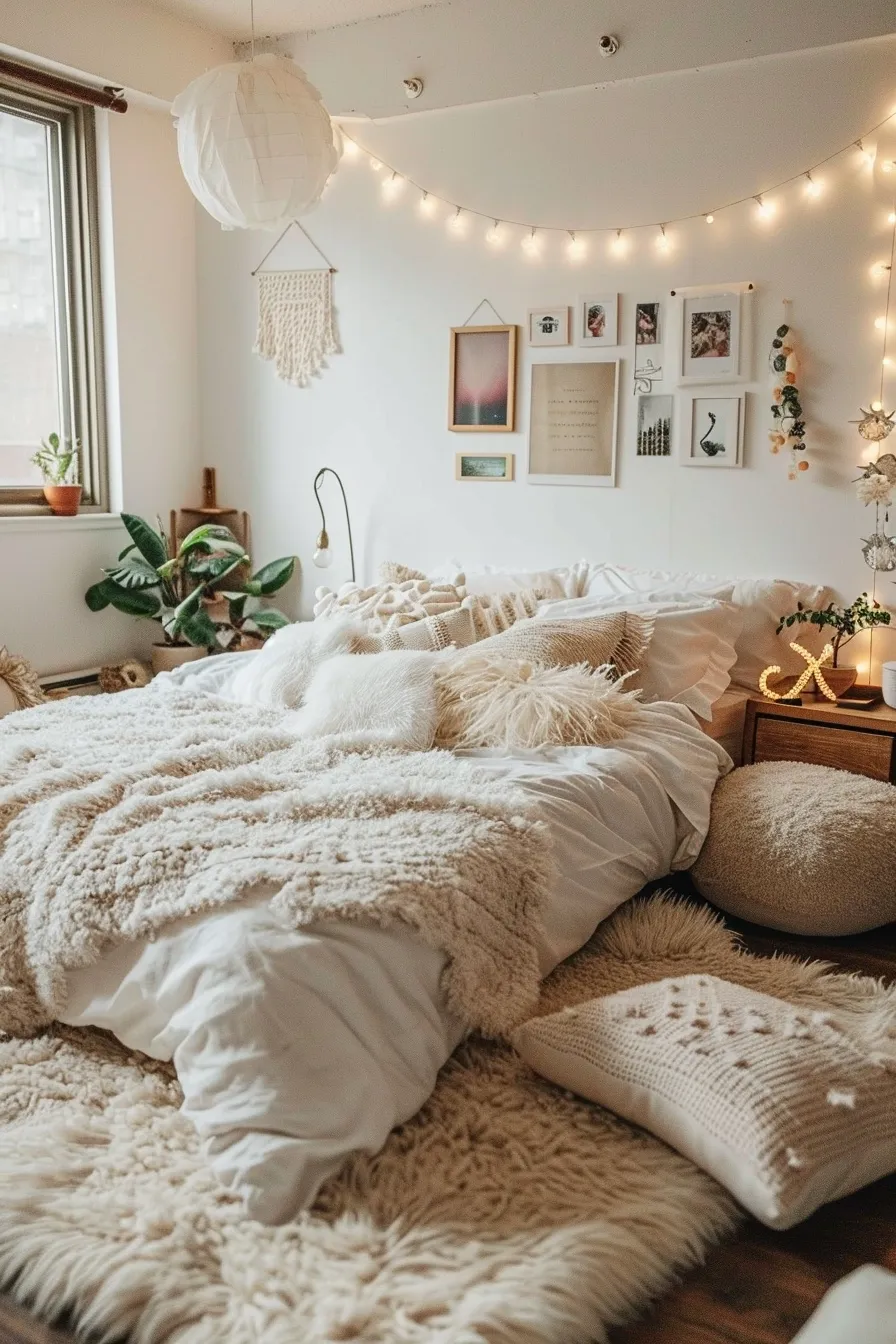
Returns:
(64,500)
(840,679)
(166,657)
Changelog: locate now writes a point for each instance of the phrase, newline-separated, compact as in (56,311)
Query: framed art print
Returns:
(549,325)
(572,424)
(483,466)
(711,338)
(647,324)
(712,429)
(482,396)
(597,320)
(654,425)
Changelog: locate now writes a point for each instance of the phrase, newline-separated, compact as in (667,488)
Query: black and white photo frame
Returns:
(711,427)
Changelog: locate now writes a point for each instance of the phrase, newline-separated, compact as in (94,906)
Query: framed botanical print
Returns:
(712,429)
(483,466)
(654,435)
(572,424)
(597,320)
(482,395)
(711,338)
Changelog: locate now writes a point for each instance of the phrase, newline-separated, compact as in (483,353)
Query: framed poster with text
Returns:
(572,424)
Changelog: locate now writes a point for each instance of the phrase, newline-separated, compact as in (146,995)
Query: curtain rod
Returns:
(108,97)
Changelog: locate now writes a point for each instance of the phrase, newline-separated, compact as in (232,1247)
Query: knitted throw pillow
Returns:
(491,701)
(619,638)
(494,612)
(786,1107)
(453,629)
(384,604)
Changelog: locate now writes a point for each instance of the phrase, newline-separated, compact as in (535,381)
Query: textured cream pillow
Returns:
(452,629)
(384,604)
(491,701)
(619,638)
(499,611)
(786,1107)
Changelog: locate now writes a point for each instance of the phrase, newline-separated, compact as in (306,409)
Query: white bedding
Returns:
(296,1048)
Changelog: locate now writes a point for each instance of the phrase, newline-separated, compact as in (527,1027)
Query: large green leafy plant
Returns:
(846,622)
(187,592)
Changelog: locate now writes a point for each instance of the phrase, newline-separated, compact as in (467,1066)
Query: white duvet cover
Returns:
(295,1048)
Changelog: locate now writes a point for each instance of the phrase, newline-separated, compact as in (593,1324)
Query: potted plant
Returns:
(846,623)
(57,461)
(182,591)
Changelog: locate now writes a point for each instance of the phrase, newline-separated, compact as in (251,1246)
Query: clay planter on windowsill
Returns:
(166,657)
(64,500)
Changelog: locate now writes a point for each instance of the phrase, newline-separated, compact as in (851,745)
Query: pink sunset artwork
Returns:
(481,378)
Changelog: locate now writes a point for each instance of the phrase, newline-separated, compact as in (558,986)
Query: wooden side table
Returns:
(821,733)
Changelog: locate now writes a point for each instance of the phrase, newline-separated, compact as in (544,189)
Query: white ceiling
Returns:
(273,17)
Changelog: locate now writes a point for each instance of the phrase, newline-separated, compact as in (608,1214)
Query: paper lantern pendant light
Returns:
(255,142)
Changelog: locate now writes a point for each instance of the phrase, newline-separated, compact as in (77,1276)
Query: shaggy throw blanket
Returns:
(505,1212)
(122,814)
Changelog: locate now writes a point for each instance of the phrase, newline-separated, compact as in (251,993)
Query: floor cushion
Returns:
(802,848)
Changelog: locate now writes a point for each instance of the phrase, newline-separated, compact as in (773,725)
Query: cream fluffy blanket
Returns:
(120,814)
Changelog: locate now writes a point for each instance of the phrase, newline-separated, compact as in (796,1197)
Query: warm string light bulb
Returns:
(891,217)
(531,244)
(877,405)
(427,204)
(576,247)
(662,241)
(868,155)
(619,245)
(349,149)
(880,324)
(709,219)
(456,222)
(764,209)
(887,166)
(392,186)
(813,188)
(375,165)
(494,236)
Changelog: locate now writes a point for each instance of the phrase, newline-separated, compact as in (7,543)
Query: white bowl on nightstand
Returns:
(888,683)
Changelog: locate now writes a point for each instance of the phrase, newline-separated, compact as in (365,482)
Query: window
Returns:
(50,331)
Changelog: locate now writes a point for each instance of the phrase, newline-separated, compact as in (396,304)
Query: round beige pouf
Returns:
(801,848)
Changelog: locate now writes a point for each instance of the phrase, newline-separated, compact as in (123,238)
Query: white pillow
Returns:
(383,698)
(483,580)
(787,1107)
(762,601)
(690,655)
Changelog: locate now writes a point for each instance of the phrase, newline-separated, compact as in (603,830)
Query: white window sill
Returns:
(42,522)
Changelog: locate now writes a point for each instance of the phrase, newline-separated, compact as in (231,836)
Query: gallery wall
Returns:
(642,151)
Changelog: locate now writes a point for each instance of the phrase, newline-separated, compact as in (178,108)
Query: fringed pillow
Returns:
(453,629)
(619,638)
(388,604)
(491,701)
(495,612)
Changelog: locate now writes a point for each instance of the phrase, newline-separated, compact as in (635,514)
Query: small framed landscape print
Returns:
(654,426)
(597,320)
(549,325)
(711,338)
(572,425)
(647,324)
(712,429)
(482,396)
(483,466)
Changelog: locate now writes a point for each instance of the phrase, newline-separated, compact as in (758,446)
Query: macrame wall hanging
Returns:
(788,426)
(296,319)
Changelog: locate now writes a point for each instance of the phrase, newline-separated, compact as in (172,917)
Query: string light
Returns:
(376,165)
(495,235)
(531,243)
(877,405)
(891,217)
(662,241)
(880,323)
(710,219)
(619,245)
(764,209)
(813,188)
(867,154)
(392,186)
(575,248)
(456,222)
(427,204)
(887,166)
(350,148)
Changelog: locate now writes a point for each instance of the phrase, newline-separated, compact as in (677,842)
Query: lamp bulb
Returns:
(322,557)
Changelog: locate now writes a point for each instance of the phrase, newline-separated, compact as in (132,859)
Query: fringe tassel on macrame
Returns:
(296,324)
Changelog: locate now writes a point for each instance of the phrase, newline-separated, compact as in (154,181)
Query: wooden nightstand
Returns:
(820,733)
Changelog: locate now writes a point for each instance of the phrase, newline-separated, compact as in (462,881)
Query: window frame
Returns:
(74,213)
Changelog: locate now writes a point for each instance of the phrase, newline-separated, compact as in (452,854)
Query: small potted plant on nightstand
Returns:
(57,461)
(845,623)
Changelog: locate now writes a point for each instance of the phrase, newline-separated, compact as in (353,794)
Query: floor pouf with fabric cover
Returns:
(802,848)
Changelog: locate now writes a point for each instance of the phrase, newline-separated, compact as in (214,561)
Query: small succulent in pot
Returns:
(58,462)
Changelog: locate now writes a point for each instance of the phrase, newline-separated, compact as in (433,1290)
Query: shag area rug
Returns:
(505,1212)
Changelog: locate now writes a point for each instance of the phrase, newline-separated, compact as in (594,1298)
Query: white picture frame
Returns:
(655,425)
(711,428)
(597,321)
(548,325)
(712,338)
(573,423)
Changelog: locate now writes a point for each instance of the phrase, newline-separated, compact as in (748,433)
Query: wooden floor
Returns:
(762,1286)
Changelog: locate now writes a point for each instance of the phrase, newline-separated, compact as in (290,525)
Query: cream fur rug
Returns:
(506,1212)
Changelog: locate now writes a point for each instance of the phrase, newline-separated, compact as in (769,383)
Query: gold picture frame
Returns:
(482,379)
(483,466)
(21,679)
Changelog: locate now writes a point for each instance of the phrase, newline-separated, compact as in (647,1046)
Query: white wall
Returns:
(150,311)
(647,150)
